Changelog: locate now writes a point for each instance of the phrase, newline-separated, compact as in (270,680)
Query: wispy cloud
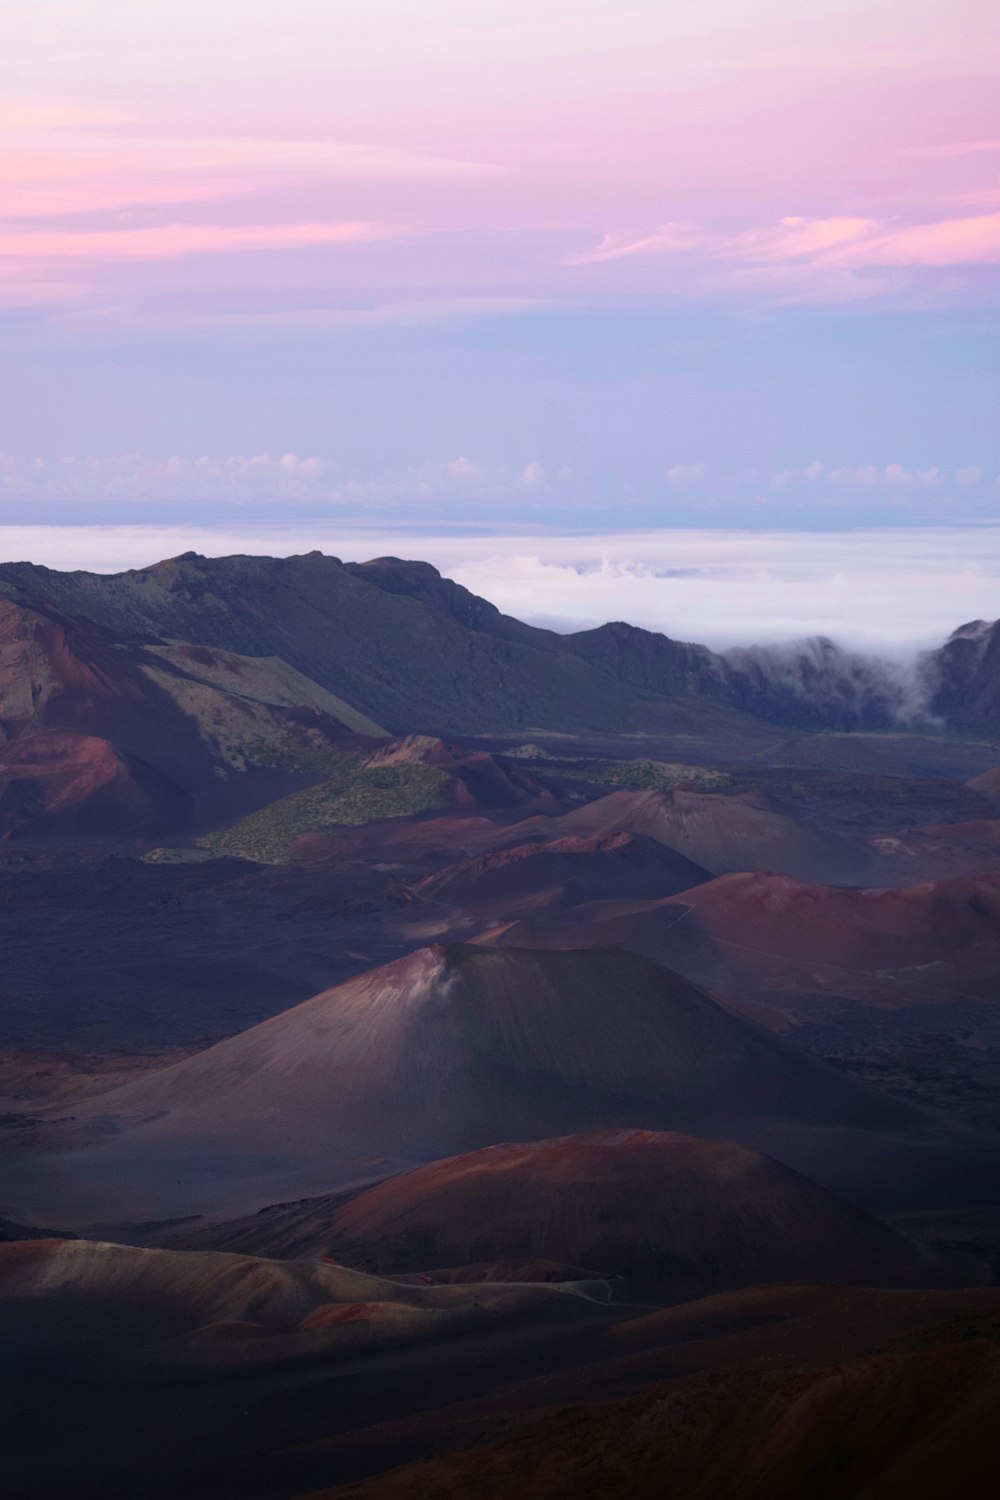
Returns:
(949,149)
(797,238)
(946,242)
(317,320)
(56,161)
(181,196)
(21,117)
(124,116)
(169,240)
(667,239)
(810,257)
(869,242)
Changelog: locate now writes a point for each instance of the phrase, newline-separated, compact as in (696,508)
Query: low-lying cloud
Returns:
(890,591)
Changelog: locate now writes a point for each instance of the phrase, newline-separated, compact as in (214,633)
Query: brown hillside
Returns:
(716,831)
(57,781)
(680,1214)
(110,1313)
(444,1051)
(562,872)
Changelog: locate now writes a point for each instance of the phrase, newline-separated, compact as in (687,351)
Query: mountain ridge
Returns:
(402,619)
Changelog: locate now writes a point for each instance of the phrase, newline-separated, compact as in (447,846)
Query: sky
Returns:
(520,263)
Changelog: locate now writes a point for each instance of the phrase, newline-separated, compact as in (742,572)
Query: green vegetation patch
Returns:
(638,775)
(356,794)
(180,855)
(657,775)
(528,752)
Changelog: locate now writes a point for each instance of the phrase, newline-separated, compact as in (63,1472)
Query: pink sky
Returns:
(560,151)
(500,262)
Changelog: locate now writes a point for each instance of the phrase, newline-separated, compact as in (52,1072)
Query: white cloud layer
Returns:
(890,590)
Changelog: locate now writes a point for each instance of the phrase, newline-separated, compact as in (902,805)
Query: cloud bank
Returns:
(889,591)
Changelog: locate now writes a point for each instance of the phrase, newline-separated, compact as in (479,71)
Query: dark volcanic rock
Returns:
(962,679)
(811,684)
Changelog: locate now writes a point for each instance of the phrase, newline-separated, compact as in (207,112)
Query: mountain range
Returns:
(401,646)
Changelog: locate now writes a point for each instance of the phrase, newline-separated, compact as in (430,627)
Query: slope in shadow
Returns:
(444,1051)
(677,1216)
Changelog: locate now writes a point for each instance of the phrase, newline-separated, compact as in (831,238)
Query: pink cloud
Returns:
(171,240)
(799,238)
(949,242)
(54,117)
(665,240)
(947,150)
(809,258)
(687,131)
(53,163)
(869,242)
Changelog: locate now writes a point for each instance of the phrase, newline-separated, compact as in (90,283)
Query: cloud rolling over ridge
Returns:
(889,591)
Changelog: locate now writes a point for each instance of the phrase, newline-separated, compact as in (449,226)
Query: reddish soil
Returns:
(717,831)
(746,930)
(770,919)
(682,1215)
(561,872)
(59,782)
